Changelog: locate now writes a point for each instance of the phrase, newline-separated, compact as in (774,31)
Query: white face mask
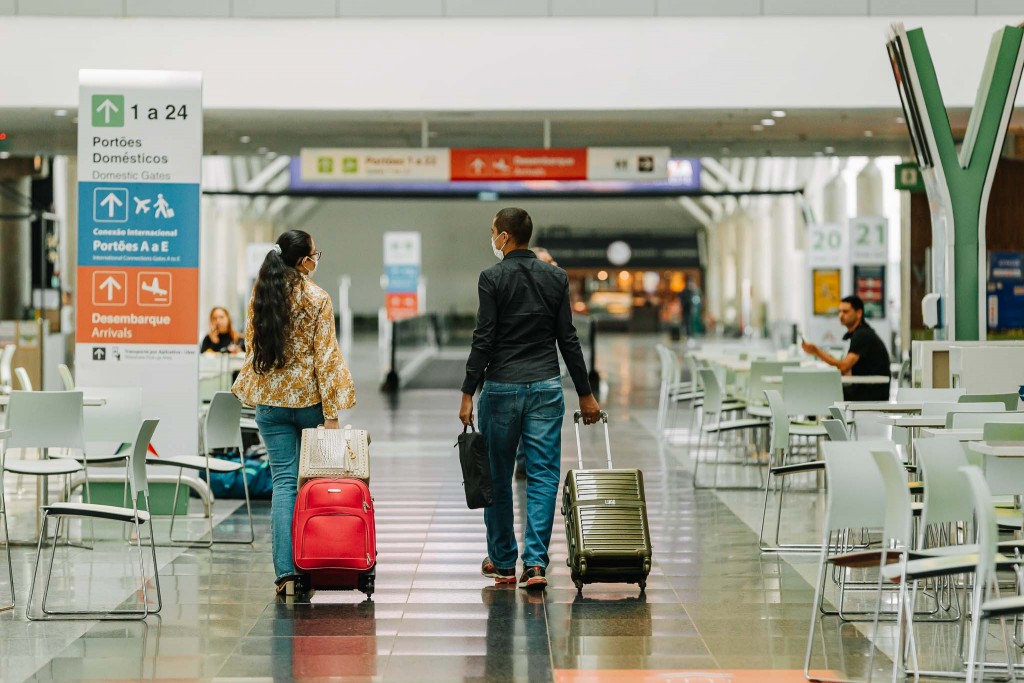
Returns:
(497,252)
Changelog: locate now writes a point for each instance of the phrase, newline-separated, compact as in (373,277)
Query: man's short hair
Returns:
(856,303)
(517,223)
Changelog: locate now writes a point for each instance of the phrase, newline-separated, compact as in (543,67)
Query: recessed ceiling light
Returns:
(779,114)
(830,150)
(5,155)
(757,128)
(60,112)
(869,134)
(245,139)
(767,122)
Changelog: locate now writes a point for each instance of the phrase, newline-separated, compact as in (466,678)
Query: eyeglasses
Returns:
(316,256)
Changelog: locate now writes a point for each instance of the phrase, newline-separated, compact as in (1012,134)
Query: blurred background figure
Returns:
(222,337)
(544,255)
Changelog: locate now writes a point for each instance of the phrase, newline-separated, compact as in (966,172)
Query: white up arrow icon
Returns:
(107,108)
(111,201)
(110,284)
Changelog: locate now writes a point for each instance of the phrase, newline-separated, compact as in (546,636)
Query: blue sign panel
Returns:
(138,224)
(405,278)
(1005,265)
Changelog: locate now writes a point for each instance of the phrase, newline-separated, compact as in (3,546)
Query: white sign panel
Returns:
(627,163)
(826,245)
(869,240)
(140,146)
(402,248)
(374,165)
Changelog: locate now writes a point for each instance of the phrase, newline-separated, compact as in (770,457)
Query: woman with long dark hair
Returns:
(293,373)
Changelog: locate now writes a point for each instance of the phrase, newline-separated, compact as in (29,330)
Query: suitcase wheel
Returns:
(366,582)
(643,586)
(578,583)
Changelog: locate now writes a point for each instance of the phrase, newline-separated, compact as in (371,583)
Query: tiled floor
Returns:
(713,604)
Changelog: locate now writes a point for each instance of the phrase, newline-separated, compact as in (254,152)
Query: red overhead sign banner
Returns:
(519,164)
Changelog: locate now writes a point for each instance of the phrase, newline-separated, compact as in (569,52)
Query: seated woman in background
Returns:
(222,337)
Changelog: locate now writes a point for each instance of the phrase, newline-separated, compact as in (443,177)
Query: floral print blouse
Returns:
(314,371)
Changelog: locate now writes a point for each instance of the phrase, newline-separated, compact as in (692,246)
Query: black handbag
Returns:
(476,468)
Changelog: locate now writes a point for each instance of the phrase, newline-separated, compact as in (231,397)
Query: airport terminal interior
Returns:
(288,289)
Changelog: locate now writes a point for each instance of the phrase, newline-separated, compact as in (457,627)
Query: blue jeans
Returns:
(533,413)
(281,429)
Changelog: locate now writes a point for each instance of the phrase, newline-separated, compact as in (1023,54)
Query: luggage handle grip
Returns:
(577,416)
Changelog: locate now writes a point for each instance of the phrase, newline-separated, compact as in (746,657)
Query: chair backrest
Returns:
(6,356)
(946,407)
(899,515)
(66,377)
(1002,474)
(856,492)
(713,395)
(810,391)
(46,419)
(759,369)
(691,365)
(223,422)
(908,394)
(836,430)
(1009,400)
(985,522)
(976,420)
(23,379)
(138,482)
(780,421)
(118,419)
(665,364)
(944,503)
(837,414)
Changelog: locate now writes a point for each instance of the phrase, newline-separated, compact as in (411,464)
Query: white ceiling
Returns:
(689,132)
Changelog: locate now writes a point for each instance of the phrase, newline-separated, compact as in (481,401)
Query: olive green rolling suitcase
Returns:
(606,522)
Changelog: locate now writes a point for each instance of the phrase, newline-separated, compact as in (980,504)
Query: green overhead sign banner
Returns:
(908,177)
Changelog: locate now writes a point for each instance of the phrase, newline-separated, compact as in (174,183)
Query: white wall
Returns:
(539,64)
(456,235)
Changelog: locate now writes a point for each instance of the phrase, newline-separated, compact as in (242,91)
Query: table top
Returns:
(959,434)
(91,401)
(1002,449)
(935,421)
(880,406)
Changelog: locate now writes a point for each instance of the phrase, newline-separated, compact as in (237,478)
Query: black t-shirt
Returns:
(221,346)
(873,359)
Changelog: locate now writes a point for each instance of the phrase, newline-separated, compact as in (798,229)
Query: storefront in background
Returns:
(632,284)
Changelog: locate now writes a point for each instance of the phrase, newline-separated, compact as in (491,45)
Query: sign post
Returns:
(140,146)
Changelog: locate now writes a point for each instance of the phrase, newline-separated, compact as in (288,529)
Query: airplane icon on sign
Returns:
(154,288)
(141,205)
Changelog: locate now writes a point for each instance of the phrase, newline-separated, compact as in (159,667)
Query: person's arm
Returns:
(484,336)
(572,353)
(337,390)
(845,364)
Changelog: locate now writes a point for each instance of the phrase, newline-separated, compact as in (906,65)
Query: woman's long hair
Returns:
(232,335)
(272,300)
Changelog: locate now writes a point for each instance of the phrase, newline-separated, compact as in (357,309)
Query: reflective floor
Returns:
(714,606)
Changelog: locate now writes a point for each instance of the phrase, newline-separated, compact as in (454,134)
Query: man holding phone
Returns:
(867,354)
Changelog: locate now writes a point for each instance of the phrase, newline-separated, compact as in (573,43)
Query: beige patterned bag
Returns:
(334,453)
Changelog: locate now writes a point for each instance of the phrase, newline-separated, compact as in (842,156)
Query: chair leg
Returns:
(49,569)
(7,547)
(35,571)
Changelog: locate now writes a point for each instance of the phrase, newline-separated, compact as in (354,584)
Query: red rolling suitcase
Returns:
(334,536)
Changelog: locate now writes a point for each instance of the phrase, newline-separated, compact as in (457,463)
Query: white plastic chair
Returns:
(134,515)
(713,424)
(914,394)
(221,429)
(44,420)
(836,430)
(757,405)
(112,424)
(23,379)
(778,451)
(6,373)
(5,434)
(66,377)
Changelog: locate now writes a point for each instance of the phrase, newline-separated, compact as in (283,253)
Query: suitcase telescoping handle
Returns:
(577,416)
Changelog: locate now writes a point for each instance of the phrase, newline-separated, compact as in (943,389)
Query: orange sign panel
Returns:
(519,164)
(137,305)
(402,305)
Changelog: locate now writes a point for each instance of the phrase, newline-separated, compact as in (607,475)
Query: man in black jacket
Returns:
(524,315)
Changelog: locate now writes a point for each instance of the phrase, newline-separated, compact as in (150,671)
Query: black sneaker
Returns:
(488,569)
(533,577)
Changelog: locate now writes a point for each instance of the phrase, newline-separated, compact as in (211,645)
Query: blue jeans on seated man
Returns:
(281,429)
(532,413)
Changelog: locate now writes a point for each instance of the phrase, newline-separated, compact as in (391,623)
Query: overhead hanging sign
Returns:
(326,167)
(402,274)
(374,165)
(140,145)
